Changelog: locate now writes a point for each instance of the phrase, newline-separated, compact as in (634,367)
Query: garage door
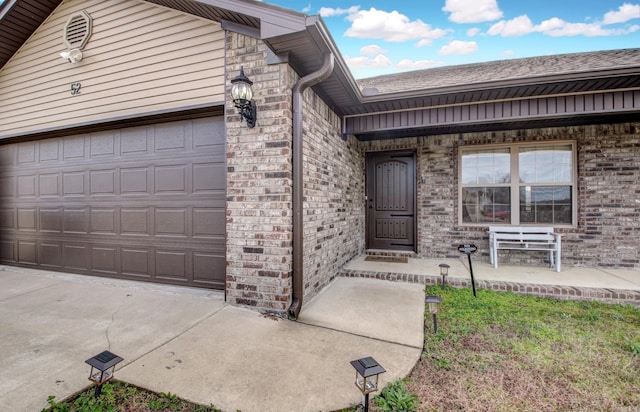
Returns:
(144,203)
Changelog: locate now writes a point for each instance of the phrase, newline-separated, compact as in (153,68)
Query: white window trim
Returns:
(515,184)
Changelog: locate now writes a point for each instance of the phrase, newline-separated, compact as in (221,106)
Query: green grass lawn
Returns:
(507,352)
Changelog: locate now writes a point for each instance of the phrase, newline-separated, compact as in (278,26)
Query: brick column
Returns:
(259,182)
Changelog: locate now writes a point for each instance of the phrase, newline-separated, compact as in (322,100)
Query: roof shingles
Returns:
(501,70)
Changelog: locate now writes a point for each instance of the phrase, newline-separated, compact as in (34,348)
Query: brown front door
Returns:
(391,202)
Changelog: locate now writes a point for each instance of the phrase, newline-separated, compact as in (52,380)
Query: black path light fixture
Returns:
(242,95)
(433,305)
(444,272)
(102,368)
(367,372)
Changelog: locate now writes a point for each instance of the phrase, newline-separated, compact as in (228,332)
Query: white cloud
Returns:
(508,53)
(363,61)
(473,31)
(389,26)
(407,64)
(472,11)
(554,27)
(330,12)
(625,13)
(372,50)
(518,26)
(307,9)
(459,47)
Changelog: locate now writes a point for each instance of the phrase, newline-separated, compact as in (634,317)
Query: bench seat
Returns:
(525,238)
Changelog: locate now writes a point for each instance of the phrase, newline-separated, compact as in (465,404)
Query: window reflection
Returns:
(542,189)
(486,204)
(551,164)
(545,204)
(486,167)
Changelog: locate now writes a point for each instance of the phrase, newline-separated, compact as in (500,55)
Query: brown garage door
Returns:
(145,203)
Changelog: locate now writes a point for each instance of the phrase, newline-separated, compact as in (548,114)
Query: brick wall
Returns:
(333,196)
(259,187)
(259,180)
(608,227)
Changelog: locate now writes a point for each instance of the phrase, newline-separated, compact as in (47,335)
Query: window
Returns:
(529,183)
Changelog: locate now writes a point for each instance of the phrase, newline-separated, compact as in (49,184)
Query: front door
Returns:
(391,200)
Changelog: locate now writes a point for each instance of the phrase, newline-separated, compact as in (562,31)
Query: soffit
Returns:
(18,20)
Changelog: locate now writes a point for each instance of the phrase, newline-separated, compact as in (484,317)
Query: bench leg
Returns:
(558,258)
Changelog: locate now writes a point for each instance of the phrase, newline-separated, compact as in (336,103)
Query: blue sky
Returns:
(380,36)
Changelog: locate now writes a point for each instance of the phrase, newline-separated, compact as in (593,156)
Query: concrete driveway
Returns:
(189,342)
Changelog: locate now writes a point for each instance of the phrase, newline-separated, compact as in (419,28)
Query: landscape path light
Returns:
(444,272)
(367,372)
(433,305)
(102,368)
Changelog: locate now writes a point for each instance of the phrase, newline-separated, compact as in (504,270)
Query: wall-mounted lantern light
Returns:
(433,305)
(444,271)
(367,372)
(242,96)
(102,368)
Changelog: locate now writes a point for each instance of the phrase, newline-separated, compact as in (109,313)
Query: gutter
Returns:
(298,219)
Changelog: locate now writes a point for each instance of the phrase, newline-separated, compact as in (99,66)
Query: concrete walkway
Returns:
(190,343)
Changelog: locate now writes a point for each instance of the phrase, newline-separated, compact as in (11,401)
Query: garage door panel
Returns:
(7,186)
(206,266)
(134,180)
(171,179)
(76,257)
(136,262)
(73,147)
(27,219)
(171,264)
(141,203)
(104,259)
(51,254)
(27,253)
(73,184)
(103,221)
(209,177)
(171,137)
(135,221)
(26,153)
(208,222)
(102,144)
(103,182)
(8,251)
(51,220)
(171,222)
(7,219)
(49,185)
(50,150)
(75,221)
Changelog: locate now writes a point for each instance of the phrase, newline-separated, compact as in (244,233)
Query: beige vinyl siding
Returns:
(140,59)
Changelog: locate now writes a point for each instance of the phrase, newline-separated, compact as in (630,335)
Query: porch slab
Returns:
(624,279)
(580,283)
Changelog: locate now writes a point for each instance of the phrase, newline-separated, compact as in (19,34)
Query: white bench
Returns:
(524,238)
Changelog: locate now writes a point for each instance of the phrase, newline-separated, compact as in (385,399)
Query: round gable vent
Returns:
(77,30)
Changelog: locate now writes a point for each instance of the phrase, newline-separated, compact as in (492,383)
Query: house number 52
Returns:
(75,88)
